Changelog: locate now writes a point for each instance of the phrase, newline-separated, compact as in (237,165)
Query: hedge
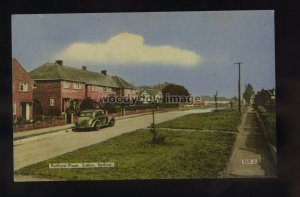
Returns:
(269,121)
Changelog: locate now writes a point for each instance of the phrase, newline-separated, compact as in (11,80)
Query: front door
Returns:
(69,118)
(65,104)
(25,108)
(27,111)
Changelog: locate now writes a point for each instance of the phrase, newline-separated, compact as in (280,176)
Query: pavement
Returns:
(39,148)
(22,134)
(251,155)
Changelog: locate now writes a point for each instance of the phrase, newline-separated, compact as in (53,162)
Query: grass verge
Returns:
(185,154)
(223,120)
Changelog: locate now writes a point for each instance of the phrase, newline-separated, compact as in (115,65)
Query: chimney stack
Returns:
(59,62)
(103,72)
(84,68)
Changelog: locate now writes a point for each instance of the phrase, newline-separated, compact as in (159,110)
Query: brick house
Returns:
(22,92)
(58,86)
(150,96)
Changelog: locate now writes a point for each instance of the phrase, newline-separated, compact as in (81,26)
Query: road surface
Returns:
(51,145)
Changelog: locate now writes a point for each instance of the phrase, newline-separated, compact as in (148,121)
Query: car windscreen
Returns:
(86,114)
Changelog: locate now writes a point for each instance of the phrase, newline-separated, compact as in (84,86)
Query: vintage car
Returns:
(93,119)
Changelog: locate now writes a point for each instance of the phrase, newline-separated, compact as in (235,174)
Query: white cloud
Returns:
(128,49)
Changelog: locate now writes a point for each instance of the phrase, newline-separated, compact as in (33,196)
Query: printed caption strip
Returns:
(82,165)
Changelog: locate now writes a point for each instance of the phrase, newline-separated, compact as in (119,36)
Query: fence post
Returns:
(72,118)
(66,118)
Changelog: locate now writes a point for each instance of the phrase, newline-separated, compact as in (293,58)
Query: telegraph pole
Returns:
(216,98)
(239,84)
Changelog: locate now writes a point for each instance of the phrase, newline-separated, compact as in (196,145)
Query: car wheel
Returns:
(111,123)
(97,126)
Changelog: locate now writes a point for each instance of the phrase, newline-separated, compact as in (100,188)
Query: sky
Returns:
(194,49)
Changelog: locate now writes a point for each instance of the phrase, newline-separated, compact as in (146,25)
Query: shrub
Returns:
(110,107)
(21,121)
(146,106)
(159,139)
(168,105)
(261,109)
(73,110)
(269,121)
(59,117)
(156,138)
(87,103)
(53,112)
(270,108)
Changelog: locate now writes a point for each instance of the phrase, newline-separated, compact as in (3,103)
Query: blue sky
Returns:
(194,49)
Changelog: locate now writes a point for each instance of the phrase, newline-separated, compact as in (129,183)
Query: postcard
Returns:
(144,95)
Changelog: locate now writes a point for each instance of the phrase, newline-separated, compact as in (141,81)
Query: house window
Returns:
(52,101)
(14,108)
(65,84)
(34,84)
(77,85)
(94,88)
(24,87)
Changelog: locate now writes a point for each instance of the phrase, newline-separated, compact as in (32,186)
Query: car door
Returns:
(102,117)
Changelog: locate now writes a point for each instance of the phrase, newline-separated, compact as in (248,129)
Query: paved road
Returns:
(51,145)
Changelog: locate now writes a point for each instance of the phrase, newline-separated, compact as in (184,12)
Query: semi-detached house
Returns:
(21,92)
(57,86)
(151,96)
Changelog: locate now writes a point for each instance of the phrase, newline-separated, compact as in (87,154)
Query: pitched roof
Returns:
(151,92)
(53,71)
(271,92)
(122,83)
(16,63)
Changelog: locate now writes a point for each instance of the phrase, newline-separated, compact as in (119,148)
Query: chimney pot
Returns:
(104,72)
(59,62)
(84,68)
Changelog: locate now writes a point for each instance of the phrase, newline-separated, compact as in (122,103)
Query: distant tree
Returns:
(88,103)
(248,93)
(262,98)
(159,86)
(234,99)
(174,90)
(144,87)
